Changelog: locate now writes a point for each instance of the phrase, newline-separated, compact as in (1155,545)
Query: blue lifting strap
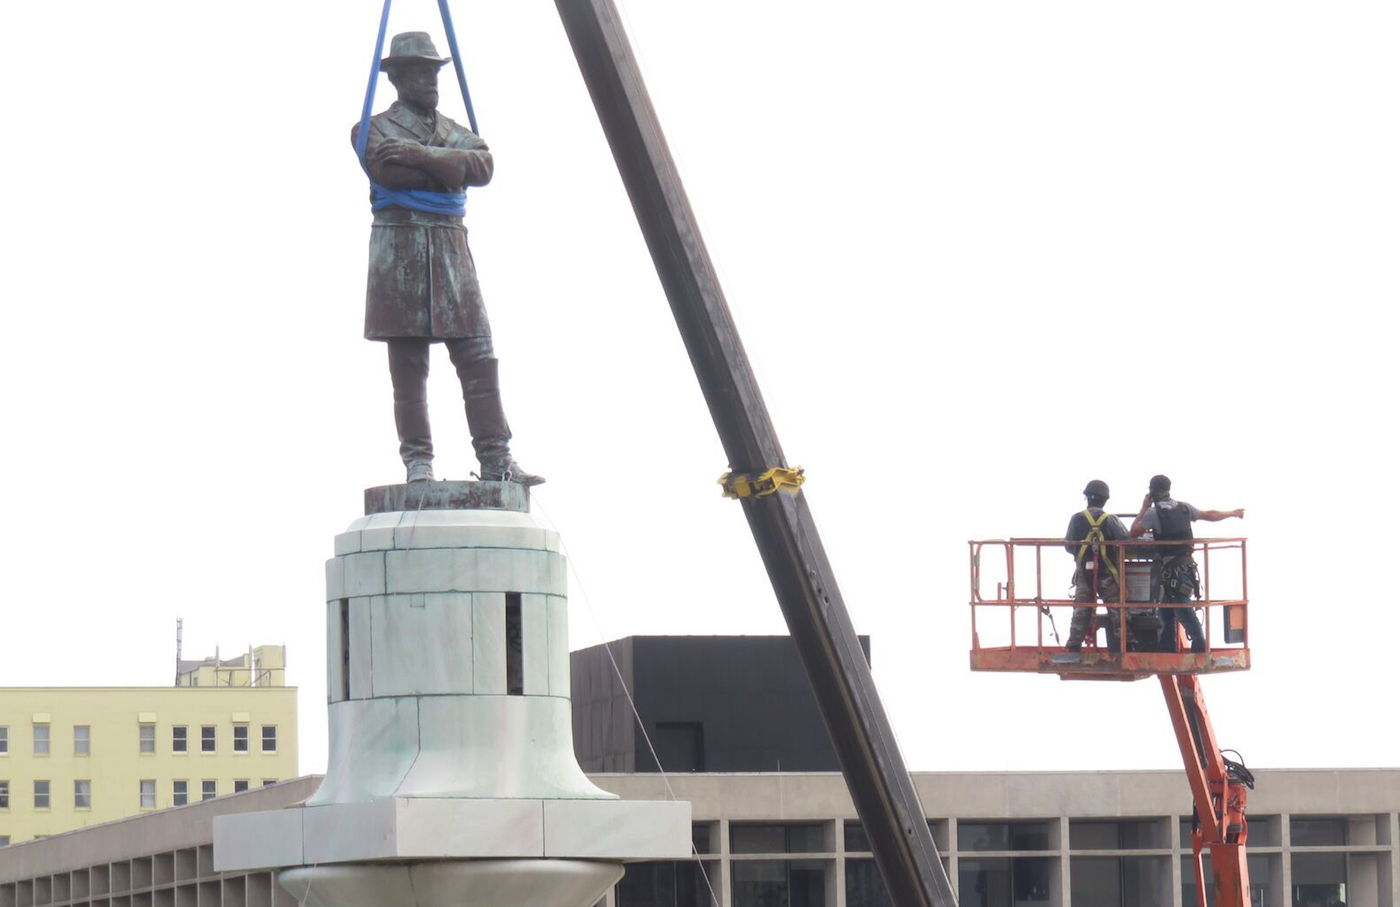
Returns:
(451,203)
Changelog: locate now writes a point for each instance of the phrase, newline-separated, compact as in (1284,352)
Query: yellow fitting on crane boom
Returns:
(766,483)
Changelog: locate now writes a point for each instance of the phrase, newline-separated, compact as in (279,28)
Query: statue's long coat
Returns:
(422,281)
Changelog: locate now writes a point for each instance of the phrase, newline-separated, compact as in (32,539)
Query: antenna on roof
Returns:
(179,646)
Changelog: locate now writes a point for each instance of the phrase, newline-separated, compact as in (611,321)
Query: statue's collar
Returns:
(410,120)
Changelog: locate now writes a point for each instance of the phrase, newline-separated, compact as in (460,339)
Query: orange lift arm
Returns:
(1220,788)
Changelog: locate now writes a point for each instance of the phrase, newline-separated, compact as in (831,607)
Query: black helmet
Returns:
(1098,488)
(1158,485)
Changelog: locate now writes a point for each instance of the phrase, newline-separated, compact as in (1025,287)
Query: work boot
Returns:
(505,469)
(420,471)
(1080,625)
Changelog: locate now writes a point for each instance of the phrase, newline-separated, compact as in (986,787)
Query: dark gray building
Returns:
(709,704)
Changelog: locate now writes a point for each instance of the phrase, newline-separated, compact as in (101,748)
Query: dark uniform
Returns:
(1178,577)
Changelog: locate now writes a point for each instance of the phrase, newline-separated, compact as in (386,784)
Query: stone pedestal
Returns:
(452,780)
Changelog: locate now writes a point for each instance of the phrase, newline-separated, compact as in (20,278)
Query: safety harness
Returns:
(1179,573)
(1095,542)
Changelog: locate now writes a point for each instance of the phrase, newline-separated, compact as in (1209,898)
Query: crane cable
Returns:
(450,203)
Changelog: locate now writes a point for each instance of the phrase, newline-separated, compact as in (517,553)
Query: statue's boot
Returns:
(408,367)
(486,418)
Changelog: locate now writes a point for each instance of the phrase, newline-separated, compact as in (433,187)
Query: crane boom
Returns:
(1220,790)
(782,525)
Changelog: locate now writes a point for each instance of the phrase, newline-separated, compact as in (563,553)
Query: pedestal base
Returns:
(453,883)
(423,828)
(419,496)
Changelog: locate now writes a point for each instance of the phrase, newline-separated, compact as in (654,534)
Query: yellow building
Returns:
(269,670)
(73,756)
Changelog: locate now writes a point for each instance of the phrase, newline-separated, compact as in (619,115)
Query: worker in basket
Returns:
(1098,566)
(1178,578)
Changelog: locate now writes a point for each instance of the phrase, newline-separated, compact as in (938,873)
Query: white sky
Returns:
(979,254)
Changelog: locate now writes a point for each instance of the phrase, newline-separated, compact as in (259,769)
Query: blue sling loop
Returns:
(451,203)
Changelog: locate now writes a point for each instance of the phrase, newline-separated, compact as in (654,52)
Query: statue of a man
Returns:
(422,282)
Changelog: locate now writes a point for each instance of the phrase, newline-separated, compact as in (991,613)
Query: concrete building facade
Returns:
(72,756)
(1318,838)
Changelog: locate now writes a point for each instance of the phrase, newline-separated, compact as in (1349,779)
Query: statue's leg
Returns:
(478,370)
(408,367)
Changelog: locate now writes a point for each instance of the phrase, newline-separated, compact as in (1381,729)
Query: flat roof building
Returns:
(1318,838)
(77,756)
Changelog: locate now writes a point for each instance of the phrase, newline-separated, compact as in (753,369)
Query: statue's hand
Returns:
(404,154)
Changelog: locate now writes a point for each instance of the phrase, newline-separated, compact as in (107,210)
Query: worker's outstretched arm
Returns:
(1215,516)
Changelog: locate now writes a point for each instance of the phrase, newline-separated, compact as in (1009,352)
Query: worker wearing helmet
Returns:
(1097,564)
(1178,579)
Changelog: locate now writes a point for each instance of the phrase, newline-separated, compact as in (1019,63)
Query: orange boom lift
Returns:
(1219,786)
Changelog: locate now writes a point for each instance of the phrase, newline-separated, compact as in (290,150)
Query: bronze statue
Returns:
(422,282)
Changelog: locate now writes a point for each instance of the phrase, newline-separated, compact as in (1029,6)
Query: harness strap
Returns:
(450,203)
(1092,538)
(457,63)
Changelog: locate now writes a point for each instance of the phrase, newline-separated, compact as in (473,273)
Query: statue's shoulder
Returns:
(390,123)
(452,134)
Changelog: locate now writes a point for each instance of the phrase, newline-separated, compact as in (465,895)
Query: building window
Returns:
(41,739)
(240,738)
(82,740)
(999,837)
(82,795)
(208,790)
(804,838)
(794,883)
(179,739)
(269,738)
(181,793)
(1119,881)
(268,782)
(4,840)
(1118,834)
(669,884)
(41,795)
(4,795)
(4,740)
(207,739)
(1004,881)
(148,739)
(700,837)
(240,785)
(1319,878)
(864,885)
(148,794)
(1316,831)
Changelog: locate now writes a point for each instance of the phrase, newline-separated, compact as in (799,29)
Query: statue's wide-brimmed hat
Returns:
(413,47)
